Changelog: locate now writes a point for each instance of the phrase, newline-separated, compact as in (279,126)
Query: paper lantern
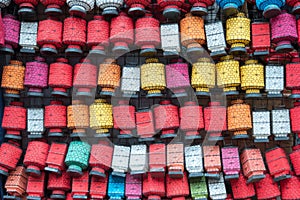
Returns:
(26,7)
(194,161)
(137,7)
(55,118)
(13,79)
(116,187)
(153,77)
(295,159)
(11,28)
(281,125)
(130,81)
(212,161)
(154,187)
(59,185)
(253,165)
(120,160)
(145,125)
(238,33)
(228,75)
(292,78)
(261,125)
(178,187)
(263,193)
(217,189)
(138,161)
(80,7)
(198,188)
(80,186)
(110,7)
(157,160)
(295,6)
(28,37)
(215,39)
(10,155)
(274,80)
(200,7)
(36,77)
(16,183)
(169,36)
(166,118)
(261,38)
(231,162)
(240,188)
(230,7)
(56,157)
(35,122)
(78,118)
(284,31)
(35,186)
(171,9)
(290,188)
(270,8)
(101,118)
(35,157)
(53,7)
(133,187)
(98,187)
(294,117)
(175,160)
(77,158)
(239,119)
(14,120)
(4,3)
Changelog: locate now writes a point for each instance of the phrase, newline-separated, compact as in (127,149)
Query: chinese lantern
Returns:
(78,118)
(11,28)
(99,161)
(191,119)
(14,120)
(239,119)
(215,120)
(133,187)
(85,78)
(198,188)
(284,31)
(13,79)
(157,160)
(166,118)
(130,81)
(60,77)
(217,189)
(98,187)
(253,165)
(35,122)
(96,41)
(116,187)
(101,117)
(81,7)
(295,159)
(153,77)
(10,155)
(77,158)
(193,153)
(240,188)
(109,7)
(278,164)
(290,188)
(56,157)
(26,7)
(35,157)
(192,33)
(36,76)
(59,185)
(270,8)
(147,34)
(35,186)
(137,7)
(215,39)
(261,125)
(80,186)
(145,125)
(294,116)
(171,9)
(16,183)
(274,79)
(120,160)
(53,7)
(175,160)
(203,76)
(169,36)
(231,162)
(212,161)
(238,33)
(154,187)
(292,78)
(228,75)
(55,118)
(200,6)
(49,36)
(178,187)
(74,35)
(230,7)
(267,188)
(261,38)
(281,125)
(177,78)
(28,37)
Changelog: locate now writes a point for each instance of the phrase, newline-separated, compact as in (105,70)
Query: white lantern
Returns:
(4,3)
(130,81)
(110,7)
(120,160)
(170,42)
(215,39)
(35,122)
(261,125)
(80,7)
(217,189)
(194,160)
(281,124)
(274,80)
(138,163)
(28,37)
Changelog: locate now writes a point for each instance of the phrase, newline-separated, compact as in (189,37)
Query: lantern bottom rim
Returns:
(233,176)
(101,135)
(148,52)
(192,137)
(255,178)
(200,93)
(11,136)
(280,178)
(218,53)
(175,174)
(106,93)
(181,94)
(53,11)
(35,94)
(11,95)
(114,173)
(241,136)
(125,136)
(154,95)
(261,140)
(137,172)
(7,50)
(261,53)
(33,172)
(237,50)
(4,173)
(77,11)
(33,198)
(253,95)
(196,174)
(171,53)
(195,51)
(11,197)
(164,136)
(281,138)
(199,11)
(59,93)
(96,52)
(84,94)
(27,13)
(130,95)
(294,96)
(284,48)
(78,134)
(171,13)
(231,93)
(271,11)
(136,11)
(29,50)
(48,51)
(110,12)
(220,138)
(149,139)
(57,196)
(213,176)
(296,10)
(120,50)
(35,136)
(53,170)
(80,196)
(74,172)
(73,51)
(97,174)
(55,134)
(274,95)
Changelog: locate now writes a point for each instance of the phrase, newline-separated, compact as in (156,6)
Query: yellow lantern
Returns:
(228,75)
(153,78)
(238,33)
(203,76)
(252,78)
(101,118)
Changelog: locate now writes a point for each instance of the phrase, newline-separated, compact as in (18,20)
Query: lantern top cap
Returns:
(124,102)
(85,60)
(55,102)
(99,17)
(152,60)
(123,14)
(241,14)
(204,59)
(16,62)
(190,103)
(39,58)
(165,102)
(16,103)
(63,60)
(228,57)
(214,103)
(238,101)
(100,101)
(251,61)
(110,61)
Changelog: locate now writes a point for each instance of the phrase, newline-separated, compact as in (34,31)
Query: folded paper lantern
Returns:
(80,186)
(178,187)
(274,80)
(215,39)
(137,7)
(36,186)
(212,161)
(270,8)
(10,155)
(281,124)
(171,9)
(145,125)
(292,78)
(175,160)
(130,81)
(157,160)
(270,193)
(290,188)
(261,38)
(59,185)
(53,7)
(231,162)
(295,159)
(80,7)
(78,118)
(198,188)
(138,160)
(200,7)
(56,157)
(116,187)
(35,122)
(133,186)
(11,28)
(217,189)
(261,125)
(28,37)
(194,162)
(55,118)
(120,161)
(240,188)
(154,187)
(98,187)
(295,118)
(110,7)
(16,183)
(169,36)
(230,7)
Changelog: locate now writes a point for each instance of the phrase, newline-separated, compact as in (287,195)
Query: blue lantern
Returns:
(116,187)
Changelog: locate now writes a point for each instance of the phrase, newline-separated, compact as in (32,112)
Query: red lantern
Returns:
(59,185)
(35,157)
(191,119)
(154,187)
(80,186)
(137,7)
(145,125)
(36,186)
(212,161)
(133,187)
(200,6)
(147,34)
(166,118)
(178,187)
(290,188)
(53,7)
(171,9)
(11,28)
(295,159)
(261,38)
(240,188)
(26,7)
(10,154)
(98,35)
(175,160)
(98,187)
(267,188)
(295,118)
(56,157)
(16,184)
(74,35)
(55,118)
(292,77)
(157,160)
(49,36)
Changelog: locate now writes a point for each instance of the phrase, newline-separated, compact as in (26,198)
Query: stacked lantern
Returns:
(60,77)
(153,77)
(85,78)
(295,5)
(101,117)
(80,8)
(270,8)
(212,161)
(36,77)
(215,39)
(147,34)
(77,157)
(120,160)
(137,7)
(198,188)
(28,37)
(240,188)
(238,33)
(56,157)
(26,7)
(14,120)
(178,187)
(239,119)
(10,155)
(121,33)
(217,189)
(261,125)
(109,77)
(272,192)
(281,125)
(292,78)
(16,183)
(35,157)
(80,186)
(231,162)
(98,187)
(253,165)
(170,43)
(175,160)
(228,75)
(191,119)
(230,7)
(130,81)
(74,34)
(53,7)
(294,115)
(138,161)
(55,118)
(200,6)
(11,28)
(59,185)
(192,33)
(166,118)
(35,122)
(215,120)
(261,38)
(274,80)
(193,153)
(133,187)
(290,188)
(145,125)
(154,187)
(171,9)
(110,7)
(284,31)
(295,159)
(96,41)
(36,186)
(116,187)
(13,78)
(157,159)
(78,118)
